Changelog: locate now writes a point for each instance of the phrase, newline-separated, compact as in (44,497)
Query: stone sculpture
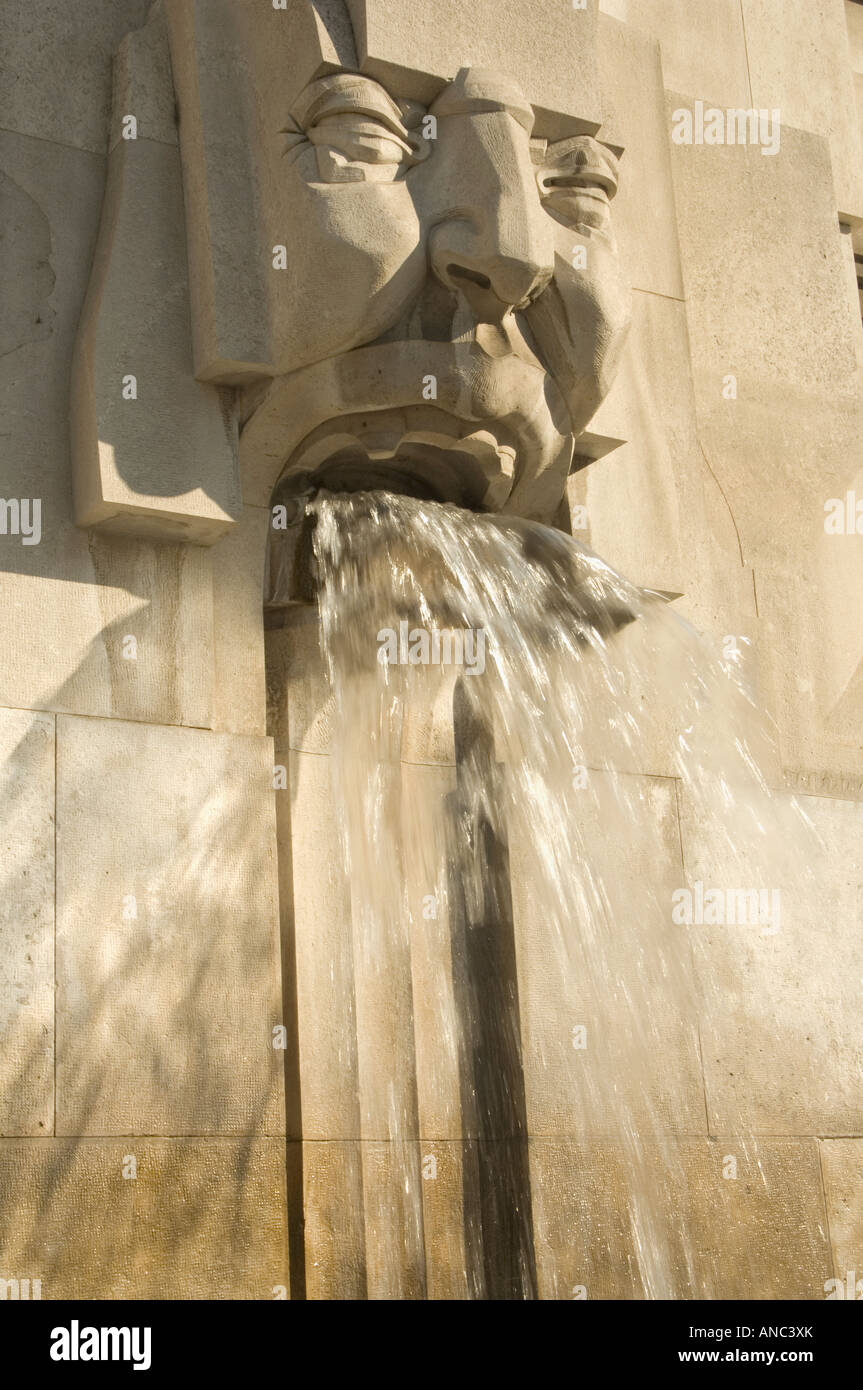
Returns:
(398,275)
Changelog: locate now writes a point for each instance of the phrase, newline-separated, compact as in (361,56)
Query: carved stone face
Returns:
(456,306)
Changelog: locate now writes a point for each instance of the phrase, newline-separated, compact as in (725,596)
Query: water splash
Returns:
(523,962)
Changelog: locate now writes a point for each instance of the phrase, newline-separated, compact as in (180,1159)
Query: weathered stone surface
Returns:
(165,1018)
(26,923)
(842,1166)
(779,415)
(335,1255)
(154,451)
(854,22)
(360,1248)
(782,1048)
(633,115)
(239,675)
(736,1226)
(654,507)
(203,1219)
(421,50)
(78,597)
(800,62)
(747,284)
(143,85)
(703,45)
(302,704)
(321,929)
(609,983)
(55,77)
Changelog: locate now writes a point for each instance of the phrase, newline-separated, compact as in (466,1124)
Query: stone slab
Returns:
(55,77)
(621,977)
(165,1018)
(761,1235)
(799,60)
(702,41)
(27,923)
(781,1033)
(633,107)
(406,46)
(76,595)
(203,1219)
(842,1166)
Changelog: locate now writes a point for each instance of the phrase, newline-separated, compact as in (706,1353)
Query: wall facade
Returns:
(165,910)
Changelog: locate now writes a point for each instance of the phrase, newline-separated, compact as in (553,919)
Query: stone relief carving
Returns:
(401,280)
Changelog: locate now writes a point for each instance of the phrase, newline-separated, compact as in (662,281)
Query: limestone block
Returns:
(203,1218)
(760,1235)
(321,915)
(782,1044)
(444,1220)
(143,85)
(363,1228)
(633,106)
(653,508)
(393,1203)
(27,923)
(227,61)
(813,643)
(158,648)
(842,1166)
(131,639)
(168,961)
(302,704)
(300,700)
(335,1255)
(702,41)
(854,21)
(154,451)
(779,414)
(239,676)
(356,1248)
(800,62)
(633,498)
(420,50)
(643,1047)
(79,597)
(761,249)
(55,78)
(428,793)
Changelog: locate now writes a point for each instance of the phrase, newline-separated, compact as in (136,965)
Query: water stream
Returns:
(523,963)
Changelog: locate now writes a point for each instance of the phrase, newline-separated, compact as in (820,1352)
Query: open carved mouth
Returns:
(419,452)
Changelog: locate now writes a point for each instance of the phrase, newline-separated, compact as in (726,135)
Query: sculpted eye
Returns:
(356,130)
(577,182)
(359,136)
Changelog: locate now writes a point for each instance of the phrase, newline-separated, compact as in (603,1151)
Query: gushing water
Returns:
(535,943)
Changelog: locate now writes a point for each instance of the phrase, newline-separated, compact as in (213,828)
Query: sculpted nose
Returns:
(493,236)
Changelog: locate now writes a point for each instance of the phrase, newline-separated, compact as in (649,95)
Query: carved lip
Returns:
(420,451)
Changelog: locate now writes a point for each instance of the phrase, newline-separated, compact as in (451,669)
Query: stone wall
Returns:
(141,978)
(140,968)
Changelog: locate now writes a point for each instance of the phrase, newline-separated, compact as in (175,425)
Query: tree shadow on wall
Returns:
(165,1177)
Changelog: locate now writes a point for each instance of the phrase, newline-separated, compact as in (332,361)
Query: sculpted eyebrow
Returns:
(356,96)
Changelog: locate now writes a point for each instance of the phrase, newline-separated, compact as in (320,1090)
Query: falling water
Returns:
(517,904)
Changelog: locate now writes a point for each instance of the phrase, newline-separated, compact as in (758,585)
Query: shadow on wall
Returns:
(165,1175)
